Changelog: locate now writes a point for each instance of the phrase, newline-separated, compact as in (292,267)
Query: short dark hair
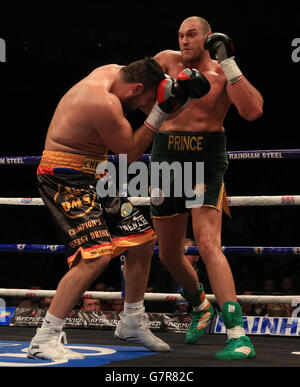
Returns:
(203,23)
(146,71)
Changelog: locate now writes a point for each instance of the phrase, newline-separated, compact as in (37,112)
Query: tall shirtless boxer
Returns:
(197,134)
(90,120)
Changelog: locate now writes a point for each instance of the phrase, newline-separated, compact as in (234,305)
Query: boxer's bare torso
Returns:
(72,128)
(201,115)
(91,116)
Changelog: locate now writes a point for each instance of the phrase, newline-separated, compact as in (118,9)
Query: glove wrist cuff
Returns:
(155,118)
(231,70)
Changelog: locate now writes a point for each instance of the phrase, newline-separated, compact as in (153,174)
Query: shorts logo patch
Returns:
(126,209)
(75,203)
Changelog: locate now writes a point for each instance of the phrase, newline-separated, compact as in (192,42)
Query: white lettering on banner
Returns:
(2,50)
(177,325)
(296,52)
(256,155)
(296,304)
(3,312)
(15,160)
(272,155)
(277,326)
(105,322)
(244,156)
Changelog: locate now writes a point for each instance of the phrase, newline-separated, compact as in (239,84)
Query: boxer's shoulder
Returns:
(170,60)
(168,55)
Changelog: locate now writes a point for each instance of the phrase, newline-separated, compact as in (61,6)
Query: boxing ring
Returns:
(288,347)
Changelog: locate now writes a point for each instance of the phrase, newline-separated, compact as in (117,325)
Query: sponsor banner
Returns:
(276,326)
(257,155)
(6,314)
(158,322)
(24,317)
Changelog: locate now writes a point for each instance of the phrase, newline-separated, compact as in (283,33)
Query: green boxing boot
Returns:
(239,347)
(202,314)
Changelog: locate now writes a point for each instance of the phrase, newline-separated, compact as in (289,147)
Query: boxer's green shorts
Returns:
(188,147)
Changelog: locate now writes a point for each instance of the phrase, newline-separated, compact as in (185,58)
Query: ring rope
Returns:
(234,201)
(291,154)
(150,296)
(237,201)
(188,250)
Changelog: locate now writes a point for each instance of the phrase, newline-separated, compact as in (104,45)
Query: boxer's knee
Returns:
(94,266)
(209,247)
(169,257)
(146,247)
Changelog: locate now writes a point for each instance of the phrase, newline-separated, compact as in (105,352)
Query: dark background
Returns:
(52,46)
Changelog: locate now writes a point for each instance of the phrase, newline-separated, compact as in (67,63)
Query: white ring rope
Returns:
(237,201)
(247,201)
(254,299)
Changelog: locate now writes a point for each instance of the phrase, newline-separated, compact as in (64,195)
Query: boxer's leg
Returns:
(47,343)
(136,271)
(207,231)
(207,223)
(133,325)
(171,233)
(75,282)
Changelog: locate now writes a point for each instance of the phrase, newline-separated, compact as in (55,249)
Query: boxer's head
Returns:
(192,34)
(143,78)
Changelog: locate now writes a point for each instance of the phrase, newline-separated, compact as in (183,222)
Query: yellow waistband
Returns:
(88,164)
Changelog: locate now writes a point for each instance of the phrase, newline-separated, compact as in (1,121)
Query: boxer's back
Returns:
(71,128)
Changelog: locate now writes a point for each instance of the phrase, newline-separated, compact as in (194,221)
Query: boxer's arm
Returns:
(244,96)
(107,117)
(142,139)
(117,134)
(162,59)
(172,95)
(112,126)
(167,58)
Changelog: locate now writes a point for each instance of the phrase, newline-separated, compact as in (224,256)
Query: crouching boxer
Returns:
(90,120)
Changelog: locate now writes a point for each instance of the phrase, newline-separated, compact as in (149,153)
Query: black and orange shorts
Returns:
(89,226)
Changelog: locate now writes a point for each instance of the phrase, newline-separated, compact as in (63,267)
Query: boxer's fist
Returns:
(193,82)
(169,100)
(170,96)
(173,95)
(220,46)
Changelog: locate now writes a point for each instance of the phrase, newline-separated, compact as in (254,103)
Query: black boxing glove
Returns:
(170,98)
(193,83)
(221,48)
(173,95)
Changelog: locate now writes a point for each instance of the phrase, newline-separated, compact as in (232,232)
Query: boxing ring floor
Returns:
(271,351)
